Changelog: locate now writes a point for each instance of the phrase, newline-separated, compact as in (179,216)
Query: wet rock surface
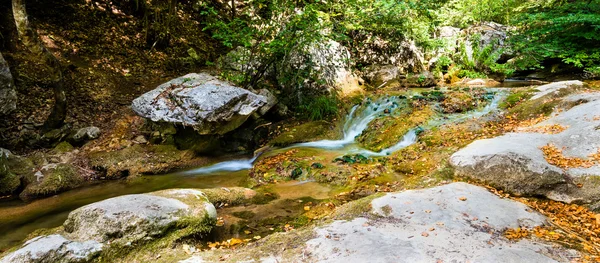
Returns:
(201,101)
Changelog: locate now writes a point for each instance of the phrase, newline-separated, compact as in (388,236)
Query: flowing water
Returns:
(18,219)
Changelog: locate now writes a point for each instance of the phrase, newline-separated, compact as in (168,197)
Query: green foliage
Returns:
(270,30)
(565,30)
(465,73)
(462,13)
(482,60)
(320,108)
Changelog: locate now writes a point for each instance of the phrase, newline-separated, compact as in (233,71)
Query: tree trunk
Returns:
(31,41)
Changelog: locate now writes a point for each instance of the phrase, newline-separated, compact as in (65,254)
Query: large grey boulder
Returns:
(328,64)
(457,222)
(53,249)
(131,218)
(516,163)
(380,75)
(8,95)
(201,101)
(405,54)
(490,33)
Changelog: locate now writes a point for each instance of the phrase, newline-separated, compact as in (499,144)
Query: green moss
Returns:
(63,147)
(386,131)
(9,182)
(310,131)
(55,180)
(515,97)
(147,250)
(140,159)
(356,208)
(12,169)
(387,210)
(533,108)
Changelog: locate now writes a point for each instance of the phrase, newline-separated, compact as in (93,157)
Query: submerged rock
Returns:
(516,163)
(8,95)
(132,218)
(55,249)
(201,101)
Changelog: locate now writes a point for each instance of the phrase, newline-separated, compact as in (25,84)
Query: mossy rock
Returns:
(386,131)
(56,178)
(140,159)
(63,147)
(12,169)
(516,96)
(458,101)
(9,182)
(230,196)
(310,131)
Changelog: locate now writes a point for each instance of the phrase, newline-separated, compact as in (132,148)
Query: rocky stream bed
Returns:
(380,186)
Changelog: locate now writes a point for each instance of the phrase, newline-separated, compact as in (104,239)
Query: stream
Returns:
(18,219)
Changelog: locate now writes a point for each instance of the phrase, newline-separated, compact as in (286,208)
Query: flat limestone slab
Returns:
(516,163)
(457,222)
(434,224)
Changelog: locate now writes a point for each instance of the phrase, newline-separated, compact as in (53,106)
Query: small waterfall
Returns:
(356,122)
(227,166)
(355,125)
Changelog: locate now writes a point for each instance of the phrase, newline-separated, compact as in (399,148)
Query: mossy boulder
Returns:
(310,131)
(131,218)
(52,179)
(458,101)
(63,147)
(140,159)
(12,169)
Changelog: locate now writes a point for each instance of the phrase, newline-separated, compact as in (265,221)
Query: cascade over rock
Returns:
(201,101)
